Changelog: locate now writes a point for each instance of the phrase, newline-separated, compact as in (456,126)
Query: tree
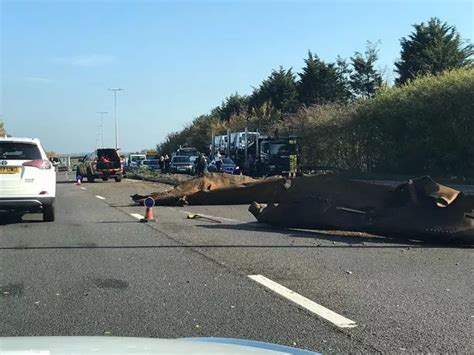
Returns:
(432,48)
(365,79)
(2,129)
(320,82)
(279,89)
(232,106)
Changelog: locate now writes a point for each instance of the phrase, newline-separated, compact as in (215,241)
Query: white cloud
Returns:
(37,79)
(88,60)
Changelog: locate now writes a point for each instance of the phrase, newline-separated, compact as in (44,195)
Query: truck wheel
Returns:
(105,179)
(48,213)
(118,179)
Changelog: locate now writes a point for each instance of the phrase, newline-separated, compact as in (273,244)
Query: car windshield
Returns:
(299,172)
(181,160)
(19,151)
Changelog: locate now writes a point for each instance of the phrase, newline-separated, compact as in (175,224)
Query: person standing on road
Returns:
(219,164)
(201,165)
(204,164)
(162,162)
(167,162)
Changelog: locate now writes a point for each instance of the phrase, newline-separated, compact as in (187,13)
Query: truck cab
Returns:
(277,156)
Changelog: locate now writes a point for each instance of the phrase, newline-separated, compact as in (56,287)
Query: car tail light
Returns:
(38,163)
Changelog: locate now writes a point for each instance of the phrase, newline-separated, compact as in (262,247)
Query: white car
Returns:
(27,177)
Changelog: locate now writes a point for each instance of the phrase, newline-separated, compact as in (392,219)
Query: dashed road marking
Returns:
(83,188)
(132,180)
(100,197)
(323,312)
(137,216)
(209,216)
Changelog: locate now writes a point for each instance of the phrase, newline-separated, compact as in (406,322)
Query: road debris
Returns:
(200,216)
(420,208)
(220,189)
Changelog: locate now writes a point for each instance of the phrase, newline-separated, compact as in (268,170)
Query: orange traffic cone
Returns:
(149,203)
(148,215)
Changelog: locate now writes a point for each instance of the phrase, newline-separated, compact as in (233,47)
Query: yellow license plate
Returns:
(9,169)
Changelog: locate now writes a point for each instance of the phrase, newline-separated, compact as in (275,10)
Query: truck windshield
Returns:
(276,149)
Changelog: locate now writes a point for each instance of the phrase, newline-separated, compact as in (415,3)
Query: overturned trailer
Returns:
(418,209)
(219,189)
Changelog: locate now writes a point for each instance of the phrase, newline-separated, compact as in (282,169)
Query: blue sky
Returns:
(175,59)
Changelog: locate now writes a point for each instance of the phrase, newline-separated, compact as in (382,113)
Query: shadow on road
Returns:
(231,246)
(17,218)
(354,239)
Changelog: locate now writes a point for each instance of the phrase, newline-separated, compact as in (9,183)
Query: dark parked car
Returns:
(182,164)
(101,164)
(226,165)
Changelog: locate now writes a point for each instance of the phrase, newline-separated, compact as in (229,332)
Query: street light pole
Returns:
(102,113)
(115,114)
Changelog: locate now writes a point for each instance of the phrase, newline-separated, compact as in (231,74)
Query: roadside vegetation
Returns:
(349,116)
(2,129)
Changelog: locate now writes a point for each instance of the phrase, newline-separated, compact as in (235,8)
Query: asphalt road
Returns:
(98,271)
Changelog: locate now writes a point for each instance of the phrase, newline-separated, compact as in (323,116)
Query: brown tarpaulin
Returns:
(220,189)
(419,208)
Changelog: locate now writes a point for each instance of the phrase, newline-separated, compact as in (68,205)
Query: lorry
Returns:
(266,156)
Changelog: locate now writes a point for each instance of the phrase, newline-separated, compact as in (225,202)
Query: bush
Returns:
(425,126)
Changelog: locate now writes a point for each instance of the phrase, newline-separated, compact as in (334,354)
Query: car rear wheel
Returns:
(90,177)
(105,179)
(48,213)
(118,179)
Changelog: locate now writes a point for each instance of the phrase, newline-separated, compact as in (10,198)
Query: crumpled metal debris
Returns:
(220,189)
(419,208)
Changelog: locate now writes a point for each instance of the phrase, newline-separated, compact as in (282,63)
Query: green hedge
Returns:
(425,126)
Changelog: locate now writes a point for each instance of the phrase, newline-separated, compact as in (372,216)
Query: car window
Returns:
(19,151)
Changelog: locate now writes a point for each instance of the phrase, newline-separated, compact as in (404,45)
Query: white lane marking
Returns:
(137,216)
(83,188)
(323,312)
(132,180)
(100,197)
(209,216)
